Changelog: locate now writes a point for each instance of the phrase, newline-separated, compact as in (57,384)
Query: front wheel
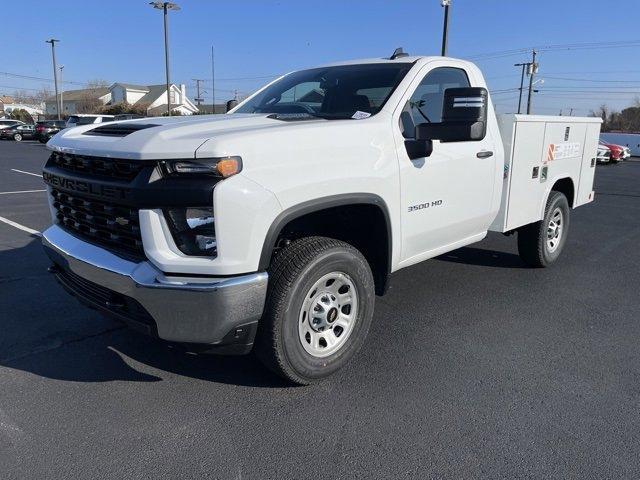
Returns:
(17,137)
(319,309)
(540,243)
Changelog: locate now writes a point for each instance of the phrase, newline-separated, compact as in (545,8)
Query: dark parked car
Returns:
(47,129)
(18,133)
(4,123)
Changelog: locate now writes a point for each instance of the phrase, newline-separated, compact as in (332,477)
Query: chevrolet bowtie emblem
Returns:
(122,221)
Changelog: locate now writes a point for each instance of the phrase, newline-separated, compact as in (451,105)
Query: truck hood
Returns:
(160,137)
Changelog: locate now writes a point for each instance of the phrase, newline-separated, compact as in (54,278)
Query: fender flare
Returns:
(548,192)
(316,205)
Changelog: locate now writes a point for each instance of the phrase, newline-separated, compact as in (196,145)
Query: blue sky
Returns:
(121,40)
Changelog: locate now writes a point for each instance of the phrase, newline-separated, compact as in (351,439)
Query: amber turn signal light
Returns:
(228,166)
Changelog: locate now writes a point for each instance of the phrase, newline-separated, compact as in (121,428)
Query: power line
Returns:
(595,92)
(592,81)
(42,79)
(21,88)
(567,46)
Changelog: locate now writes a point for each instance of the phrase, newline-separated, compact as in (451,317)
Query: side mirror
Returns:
(415,148)
(418,148)
(464,117)
(231,104)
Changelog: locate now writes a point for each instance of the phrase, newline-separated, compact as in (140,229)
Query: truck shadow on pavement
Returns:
(483,257)
(45,331)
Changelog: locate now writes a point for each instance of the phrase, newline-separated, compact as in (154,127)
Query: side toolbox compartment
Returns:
(540,151)
(585,193)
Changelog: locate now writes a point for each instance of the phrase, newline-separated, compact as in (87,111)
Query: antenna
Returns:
(398,53)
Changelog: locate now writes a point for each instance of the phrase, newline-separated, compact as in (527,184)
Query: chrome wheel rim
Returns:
(328,314)
(18,138)
(554,230)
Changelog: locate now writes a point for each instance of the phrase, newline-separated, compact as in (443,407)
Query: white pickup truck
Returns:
(273,227)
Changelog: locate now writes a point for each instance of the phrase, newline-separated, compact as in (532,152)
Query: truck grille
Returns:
(116,227)
(97,166)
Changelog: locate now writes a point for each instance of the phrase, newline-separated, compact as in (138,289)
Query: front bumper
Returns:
(221,313)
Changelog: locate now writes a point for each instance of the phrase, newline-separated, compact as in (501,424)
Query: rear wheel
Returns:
(17,137)
(319,309)
(540,243)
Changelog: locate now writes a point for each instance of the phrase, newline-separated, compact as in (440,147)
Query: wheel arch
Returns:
(564,185)
(379,254)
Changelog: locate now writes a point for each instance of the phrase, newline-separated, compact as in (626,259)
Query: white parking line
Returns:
(26,173)
(20,227)
(22,191)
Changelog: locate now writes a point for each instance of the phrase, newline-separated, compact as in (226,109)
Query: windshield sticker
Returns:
(360,115)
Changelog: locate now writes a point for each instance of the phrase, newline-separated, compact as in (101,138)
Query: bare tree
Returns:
(90,98)
(628,120)
(97,83)
(32,98)
(603,113)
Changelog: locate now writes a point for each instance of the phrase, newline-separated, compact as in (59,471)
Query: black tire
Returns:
(532,239)
(17,137)
(293,272)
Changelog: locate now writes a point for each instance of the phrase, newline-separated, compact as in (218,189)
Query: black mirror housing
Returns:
(418,148)
(464,117)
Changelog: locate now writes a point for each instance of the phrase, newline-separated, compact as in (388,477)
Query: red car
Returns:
(618,152)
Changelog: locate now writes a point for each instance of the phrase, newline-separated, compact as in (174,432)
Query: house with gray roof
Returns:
(153,97)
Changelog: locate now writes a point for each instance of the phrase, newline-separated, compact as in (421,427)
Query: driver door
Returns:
(445,197)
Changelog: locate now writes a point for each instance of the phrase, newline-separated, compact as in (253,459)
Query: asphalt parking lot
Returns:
(476,367)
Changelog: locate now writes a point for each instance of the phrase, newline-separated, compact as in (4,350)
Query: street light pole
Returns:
(445,28)
(61,67)
(165,6)
(55,71)
(213,83)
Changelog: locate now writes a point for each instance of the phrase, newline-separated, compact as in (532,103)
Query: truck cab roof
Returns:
(407,59)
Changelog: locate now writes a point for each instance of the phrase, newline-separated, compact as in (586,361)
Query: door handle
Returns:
(484,154)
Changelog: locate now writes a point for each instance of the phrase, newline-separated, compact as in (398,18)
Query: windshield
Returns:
(81,120)
(345,91)
(85,120)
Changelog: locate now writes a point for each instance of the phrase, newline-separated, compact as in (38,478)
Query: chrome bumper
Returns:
(213,311)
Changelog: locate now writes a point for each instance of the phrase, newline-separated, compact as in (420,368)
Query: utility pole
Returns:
(523,65)
(61,67)
(533,69)
(55,71)
(198,99)
(445,28)
(165,6)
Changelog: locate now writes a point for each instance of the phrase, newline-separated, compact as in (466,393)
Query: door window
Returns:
(425,105)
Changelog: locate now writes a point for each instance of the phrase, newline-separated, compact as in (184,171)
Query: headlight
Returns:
(220,167)
(193,230)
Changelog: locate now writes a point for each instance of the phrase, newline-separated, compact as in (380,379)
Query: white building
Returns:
(152,97)
(74,99)
(8,105)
